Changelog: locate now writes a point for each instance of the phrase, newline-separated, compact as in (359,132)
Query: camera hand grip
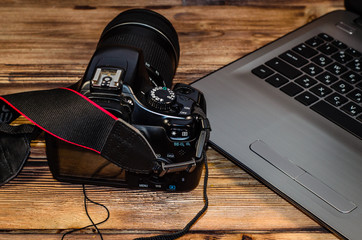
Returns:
(129,149)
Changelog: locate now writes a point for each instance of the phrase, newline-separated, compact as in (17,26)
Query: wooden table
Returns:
(48,44)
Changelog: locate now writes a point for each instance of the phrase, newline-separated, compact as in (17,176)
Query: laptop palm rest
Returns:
(313,184)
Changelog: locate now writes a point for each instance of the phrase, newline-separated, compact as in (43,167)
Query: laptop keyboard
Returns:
(324,74)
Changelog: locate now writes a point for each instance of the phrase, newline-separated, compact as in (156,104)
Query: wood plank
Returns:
(91,4)
(94,4)
(191,236)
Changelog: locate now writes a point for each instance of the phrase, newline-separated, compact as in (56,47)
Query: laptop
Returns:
(290,113)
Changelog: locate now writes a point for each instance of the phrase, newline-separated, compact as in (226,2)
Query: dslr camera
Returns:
(130,75)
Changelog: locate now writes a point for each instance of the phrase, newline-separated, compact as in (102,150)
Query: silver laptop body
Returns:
(303,156)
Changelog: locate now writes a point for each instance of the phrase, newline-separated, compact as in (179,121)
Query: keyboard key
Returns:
(262,71)
(336,68)
(327,78)
(342,87)
(325,37)
(314,42)
(351,77)
(359,118)
(327,49)
(291,89)
(359,85)
(355,65)
(338,117)
(305,51)
(284,68)
(342,57)
(353,52)
(322,60)
(336,99)
(339,44)
(293,58)
(306,81)
(352,109)
(306,98)
(312,69)
(355,95)
(277,80)
(320,90)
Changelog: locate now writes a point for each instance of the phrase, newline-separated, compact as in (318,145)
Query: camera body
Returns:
(135,88)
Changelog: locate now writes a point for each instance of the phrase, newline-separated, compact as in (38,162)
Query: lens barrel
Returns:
(150,32)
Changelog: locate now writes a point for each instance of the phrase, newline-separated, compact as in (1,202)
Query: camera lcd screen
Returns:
(75,163)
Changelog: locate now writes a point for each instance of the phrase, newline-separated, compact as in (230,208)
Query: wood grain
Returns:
(46,44)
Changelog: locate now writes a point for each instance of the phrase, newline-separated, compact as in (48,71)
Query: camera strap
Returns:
(71,117)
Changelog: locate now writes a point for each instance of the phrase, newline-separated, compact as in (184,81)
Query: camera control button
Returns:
(172,187)
(179,134)
(161,98)
(187,105)
(185,111)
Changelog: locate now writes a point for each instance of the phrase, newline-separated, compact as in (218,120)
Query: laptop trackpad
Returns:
(316,186)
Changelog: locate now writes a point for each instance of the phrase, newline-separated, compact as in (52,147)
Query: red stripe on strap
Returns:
(93,103)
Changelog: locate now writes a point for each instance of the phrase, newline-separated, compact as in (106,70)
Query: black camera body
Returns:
(130,75)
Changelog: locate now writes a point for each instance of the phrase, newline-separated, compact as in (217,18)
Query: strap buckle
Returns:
(205,124)
(188,166)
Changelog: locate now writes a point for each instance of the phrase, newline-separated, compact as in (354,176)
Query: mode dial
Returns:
(161,98)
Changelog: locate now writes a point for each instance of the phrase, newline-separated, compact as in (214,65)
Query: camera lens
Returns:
(153,34)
